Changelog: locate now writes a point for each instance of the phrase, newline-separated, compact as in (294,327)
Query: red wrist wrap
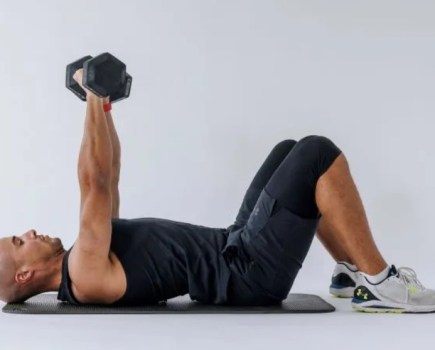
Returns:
(107,107)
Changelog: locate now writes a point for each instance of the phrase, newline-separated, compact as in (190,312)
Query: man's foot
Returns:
(343,280)
(400,292)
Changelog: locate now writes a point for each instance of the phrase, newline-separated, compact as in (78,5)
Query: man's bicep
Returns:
(115,200)
(95,222)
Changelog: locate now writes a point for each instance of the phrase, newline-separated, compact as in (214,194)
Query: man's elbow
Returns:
(95,180)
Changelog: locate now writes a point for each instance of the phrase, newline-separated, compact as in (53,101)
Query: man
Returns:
(301,188)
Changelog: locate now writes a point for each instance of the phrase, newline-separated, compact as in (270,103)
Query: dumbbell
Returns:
(104,75)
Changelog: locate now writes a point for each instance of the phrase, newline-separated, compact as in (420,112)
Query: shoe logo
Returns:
(359,293)
(256,210)
(412,289)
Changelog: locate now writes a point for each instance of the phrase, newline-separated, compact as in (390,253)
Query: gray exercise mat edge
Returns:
(47,303)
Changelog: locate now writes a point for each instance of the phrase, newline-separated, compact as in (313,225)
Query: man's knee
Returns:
(319,143)
(319,151)
(286,145)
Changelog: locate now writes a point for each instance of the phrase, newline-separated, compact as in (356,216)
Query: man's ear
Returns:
(23,277)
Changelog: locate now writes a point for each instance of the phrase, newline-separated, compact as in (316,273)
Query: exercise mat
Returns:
(47,303)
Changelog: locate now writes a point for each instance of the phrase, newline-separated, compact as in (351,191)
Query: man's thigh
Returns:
(274,244)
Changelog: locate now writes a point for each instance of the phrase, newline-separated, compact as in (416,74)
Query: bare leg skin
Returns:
(341,207)
(332,245)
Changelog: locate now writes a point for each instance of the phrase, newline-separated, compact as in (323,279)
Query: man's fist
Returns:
(78,77)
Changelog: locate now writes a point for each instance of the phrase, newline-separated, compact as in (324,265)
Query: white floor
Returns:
(343,329)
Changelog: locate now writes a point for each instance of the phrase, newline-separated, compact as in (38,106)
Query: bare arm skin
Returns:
(116,165)
(95,168)
(95,272)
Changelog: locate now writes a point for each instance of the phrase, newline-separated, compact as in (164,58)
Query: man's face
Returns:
(30,248)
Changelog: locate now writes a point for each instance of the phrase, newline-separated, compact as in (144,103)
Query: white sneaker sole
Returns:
(377,306)
(342,292)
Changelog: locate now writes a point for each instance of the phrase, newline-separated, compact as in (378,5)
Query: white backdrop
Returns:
(216,84)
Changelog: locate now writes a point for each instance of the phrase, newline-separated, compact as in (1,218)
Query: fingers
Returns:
(78,76)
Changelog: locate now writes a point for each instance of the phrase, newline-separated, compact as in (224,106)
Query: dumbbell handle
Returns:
(116,87)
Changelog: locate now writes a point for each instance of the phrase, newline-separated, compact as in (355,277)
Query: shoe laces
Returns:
(409,277)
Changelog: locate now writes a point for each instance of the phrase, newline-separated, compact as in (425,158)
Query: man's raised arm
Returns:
(92,267)
(95,178)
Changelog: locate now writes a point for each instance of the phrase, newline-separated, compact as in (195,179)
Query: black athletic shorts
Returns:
(277,221)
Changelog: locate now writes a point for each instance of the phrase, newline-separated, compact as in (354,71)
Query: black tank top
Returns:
(163,259)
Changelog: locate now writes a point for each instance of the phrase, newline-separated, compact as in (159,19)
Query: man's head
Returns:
(27,265)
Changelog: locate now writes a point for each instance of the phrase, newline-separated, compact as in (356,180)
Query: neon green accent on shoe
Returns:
(359,293)
(413,289)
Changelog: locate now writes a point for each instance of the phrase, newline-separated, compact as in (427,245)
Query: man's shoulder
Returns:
(95,282)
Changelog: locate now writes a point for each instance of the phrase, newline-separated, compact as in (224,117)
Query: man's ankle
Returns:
(379,277)
(349,265)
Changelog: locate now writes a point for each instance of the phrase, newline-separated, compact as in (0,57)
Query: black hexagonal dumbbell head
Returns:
(70,83)
(124,92)
(105,75)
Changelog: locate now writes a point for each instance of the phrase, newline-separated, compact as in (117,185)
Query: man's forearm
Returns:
(116,165)
(96,153)
(116,147)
